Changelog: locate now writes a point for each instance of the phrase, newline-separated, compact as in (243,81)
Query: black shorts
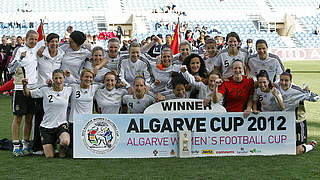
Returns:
(50,136)
(21,104)
(71,134)
(301,133)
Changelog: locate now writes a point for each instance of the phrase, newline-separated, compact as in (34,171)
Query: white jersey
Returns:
(224,61)
(28,63)
(55,105)
(109,101)
(47,64)
(113,62)
(99,78)
(75,61)
(272,64)
(204,90)
(82,100)
(268,101)
(175,60)
(128,70)
(210,63)
(293,96)
(137,106)
(173,96)
(164,76)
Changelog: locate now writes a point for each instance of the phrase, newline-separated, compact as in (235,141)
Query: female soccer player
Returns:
(196,67)
(210,56)
(263,60)
(51,59)
(269,97)
(139,101)
(76,57)
(293,99)
(162,74)
(109,98)
(205,91)
(178,83)
(55,102)
(132,65)
(185,49)
(97,59)
(81,100)
(226,57)
(82,94)
(237,91)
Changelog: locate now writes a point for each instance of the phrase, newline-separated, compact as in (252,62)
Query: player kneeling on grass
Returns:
(293,99)
(55,102)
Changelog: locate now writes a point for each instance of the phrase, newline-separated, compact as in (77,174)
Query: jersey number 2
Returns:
(50,98)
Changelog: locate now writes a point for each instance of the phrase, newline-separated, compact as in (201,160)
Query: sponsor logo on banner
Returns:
(172,153)
(224,152)
(254,150)
(195,152)
(163,153)
(100,135)
(155,152)
(207,151)
(242,151)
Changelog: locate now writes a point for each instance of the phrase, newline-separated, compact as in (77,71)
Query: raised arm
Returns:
(279,99)
(26,90)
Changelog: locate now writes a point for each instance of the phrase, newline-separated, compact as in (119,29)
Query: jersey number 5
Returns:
(226,63)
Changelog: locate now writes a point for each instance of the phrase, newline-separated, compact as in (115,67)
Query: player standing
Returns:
(226,57)
(24,63)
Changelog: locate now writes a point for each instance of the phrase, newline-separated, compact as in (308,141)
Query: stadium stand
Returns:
(308,38)
(9,6)
(53,26)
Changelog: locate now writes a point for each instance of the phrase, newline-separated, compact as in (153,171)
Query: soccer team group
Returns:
(54,81)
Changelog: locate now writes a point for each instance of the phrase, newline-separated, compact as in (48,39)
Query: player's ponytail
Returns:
(264,73)
(287,73)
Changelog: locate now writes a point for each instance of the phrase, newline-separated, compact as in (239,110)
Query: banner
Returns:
(297,53)
(155,135)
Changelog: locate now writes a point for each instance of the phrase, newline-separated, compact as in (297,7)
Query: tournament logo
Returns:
(100,135)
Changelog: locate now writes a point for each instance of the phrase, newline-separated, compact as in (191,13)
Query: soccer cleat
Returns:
(313,143)
(17,153)
(26,152)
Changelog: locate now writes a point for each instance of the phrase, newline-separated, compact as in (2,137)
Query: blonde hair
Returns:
(87,70)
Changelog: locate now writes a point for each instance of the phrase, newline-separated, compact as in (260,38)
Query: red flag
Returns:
(175,42)
(40,32)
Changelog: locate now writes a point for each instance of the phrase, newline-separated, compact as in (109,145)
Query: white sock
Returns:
(25,144)
(16,144)
(308,147)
